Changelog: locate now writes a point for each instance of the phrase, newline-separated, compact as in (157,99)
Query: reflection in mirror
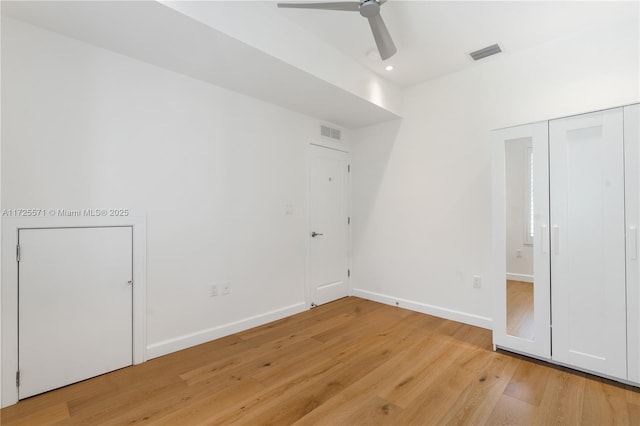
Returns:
(519,215)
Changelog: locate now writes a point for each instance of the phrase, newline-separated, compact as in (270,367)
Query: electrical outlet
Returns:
(477,282)
(518,253)
(213,290)
(226,288)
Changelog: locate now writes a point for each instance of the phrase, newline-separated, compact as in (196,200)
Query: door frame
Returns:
(9,287)
(326,143)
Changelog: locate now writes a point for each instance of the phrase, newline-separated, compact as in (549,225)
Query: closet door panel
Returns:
(521,224)
(588,298)
(632,198)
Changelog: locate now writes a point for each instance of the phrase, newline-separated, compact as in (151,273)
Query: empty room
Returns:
(357,212)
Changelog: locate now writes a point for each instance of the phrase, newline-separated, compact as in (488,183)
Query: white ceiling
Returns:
(434,37)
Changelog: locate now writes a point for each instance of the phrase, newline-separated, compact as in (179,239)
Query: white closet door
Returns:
(632,190)
(588,299)
(535,136)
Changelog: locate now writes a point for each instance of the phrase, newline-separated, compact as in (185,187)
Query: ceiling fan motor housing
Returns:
(369,8)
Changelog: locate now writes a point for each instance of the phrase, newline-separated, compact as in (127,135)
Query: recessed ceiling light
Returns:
(389,68)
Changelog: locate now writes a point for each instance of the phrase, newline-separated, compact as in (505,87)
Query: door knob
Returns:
(315,234)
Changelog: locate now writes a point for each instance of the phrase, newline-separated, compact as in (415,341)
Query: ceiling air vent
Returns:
(487,51)
(329,132)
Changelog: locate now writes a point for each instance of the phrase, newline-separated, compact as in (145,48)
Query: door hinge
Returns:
(18,253)
(348,272)
(18,378)
(348,168)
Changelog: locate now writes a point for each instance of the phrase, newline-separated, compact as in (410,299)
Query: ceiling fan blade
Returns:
(351,6)
(382,37)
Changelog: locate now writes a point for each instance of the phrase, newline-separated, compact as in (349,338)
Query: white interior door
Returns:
(75,305)
(328,233)
(588,242)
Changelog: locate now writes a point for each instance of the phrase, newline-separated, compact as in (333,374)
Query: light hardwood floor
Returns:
(345,363)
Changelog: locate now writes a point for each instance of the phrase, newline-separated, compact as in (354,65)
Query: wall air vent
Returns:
(329,132)
(487,51)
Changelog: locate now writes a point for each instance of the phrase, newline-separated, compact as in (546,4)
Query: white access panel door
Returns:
(586,162)
(75,305)
(632,190)
(328,232)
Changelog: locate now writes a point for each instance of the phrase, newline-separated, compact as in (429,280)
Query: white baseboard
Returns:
(424,308)
(165,347)
(520,277)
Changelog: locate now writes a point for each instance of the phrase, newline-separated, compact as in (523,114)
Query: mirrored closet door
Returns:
(521,238)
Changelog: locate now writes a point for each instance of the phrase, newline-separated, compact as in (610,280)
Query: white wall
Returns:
(1,204)
(211,169)
(421,207)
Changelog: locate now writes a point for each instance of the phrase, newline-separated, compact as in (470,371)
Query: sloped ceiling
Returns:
(152,32)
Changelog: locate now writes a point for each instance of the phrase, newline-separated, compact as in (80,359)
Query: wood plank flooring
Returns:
(350,362)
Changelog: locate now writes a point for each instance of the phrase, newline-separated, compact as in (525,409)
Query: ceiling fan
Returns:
(370,9)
